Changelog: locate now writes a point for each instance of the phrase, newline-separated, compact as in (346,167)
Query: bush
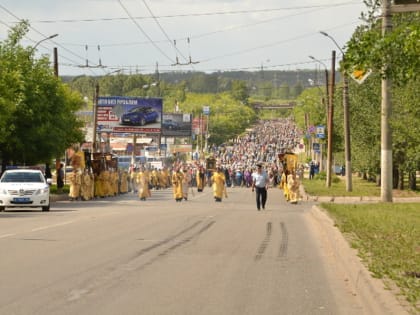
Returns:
(323,176)
(53,189)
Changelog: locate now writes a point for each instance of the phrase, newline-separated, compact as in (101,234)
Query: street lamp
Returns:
(42,40)
(347,146)
(325,103)
(326,74)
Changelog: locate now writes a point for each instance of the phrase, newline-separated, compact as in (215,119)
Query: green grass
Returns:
(53,189)
(361,187)
(387,237)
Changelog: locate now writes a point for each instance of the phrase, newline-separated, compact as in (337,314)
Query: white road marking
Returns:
(51,226)
(6,235)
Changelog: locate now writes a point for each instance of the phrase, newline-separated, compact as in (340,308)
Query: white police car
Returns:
(24,188)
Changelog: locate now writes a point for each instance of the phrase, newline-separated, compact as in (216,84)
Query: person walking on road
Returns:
(260,185)
(60,178)
(177,178)
(219,185)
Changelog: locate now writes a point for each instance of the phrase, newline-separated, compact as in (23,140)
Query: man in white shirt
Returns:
(260,185)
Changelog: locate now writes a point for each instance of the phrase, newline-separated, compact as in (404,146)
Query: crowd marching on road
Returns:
(254,160)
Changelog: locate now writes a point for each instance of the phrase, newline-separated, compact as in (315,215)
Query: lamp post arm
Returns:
(42,40)
(332,38)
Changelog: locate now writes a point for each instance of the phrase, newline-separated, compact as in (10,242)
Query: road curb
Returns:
(372,292)
(58,197)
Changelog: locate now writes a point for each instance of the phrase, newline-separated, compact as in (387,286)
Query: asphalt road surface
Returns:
(121,255)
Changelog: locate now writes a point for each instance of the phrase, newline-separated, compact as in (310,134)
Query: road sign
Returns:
(206,110)
(360,75)
(320,132)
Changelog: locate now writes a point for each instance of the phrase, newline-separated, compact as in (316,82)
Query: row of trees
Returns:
(148,85)
(368,49)
(36,109)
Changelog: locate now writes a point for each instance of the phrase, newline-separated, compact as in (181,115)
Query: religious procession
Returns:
(269,146)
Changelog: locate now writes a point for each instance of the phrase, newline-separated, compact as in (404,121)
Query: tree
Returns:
(406,124)
(38,111)
(240,92)
(284,91)
(310,103)
(297,89)
(365,125)
(399,50)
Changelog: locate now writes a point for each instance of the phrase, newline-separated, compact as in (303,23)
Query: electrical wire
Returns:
(239,52)
(143,32)
(320,7)
(197,36)
(230,12)
(38,32)
(163,31)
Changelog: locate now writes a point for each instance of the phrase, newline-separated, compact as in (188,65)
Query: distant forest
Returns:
(263,84)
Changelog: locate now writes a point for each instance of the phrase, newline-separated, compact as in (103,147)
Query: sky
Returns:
(100,37)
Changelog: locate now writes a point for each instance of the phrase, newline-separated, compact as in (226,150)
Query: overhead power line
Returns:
(38,32)
(202,35)
(227,12)
(143,32)
(188,62)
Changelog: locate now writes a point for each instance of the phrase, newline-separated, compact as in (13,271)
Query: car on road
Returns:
(170,124)
(139,116)
(24,188)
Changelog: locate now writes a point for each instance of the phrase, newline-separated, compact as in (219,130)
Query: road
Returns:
(121,255)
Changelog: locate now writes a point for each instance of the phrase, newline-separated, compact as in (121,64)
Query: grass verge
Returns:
(387,237)
(361,187)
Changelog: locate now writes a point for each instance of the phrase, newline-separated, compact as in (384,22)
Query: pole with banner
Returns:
(206,112)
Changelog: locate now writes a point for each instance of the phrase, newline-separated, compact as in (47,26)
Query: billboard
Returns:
(120,114)
(176,125)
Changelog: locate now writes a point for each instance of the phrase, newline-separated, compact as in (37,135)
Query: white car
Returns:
(22,188)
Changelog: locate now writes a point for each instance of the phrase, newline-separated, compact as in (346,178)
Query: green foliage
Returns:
(65,189)
(406,123)
(240,92)
(399,49)
(284,91)
(365,121)
(228,117)
(297,89)
(38,120)
(338,187)
(310,103)
(386,236)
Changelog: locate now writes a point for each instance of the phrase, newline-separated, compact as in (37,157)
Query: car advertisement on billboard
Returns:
(120,114)
(176,125)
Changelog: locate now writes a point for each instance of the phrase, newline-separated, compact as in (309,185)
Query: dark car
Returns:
(140,116)
(170,124)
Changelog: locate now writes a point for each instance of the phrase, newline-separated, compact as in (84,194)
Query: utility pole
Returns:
(325,100)
(386,135)
(57,159)
(347,146)
(330,120)
(55,62)
(95,117)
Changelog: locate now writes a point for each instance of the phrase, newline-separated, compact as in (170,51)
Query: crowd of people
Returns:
(237,164)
